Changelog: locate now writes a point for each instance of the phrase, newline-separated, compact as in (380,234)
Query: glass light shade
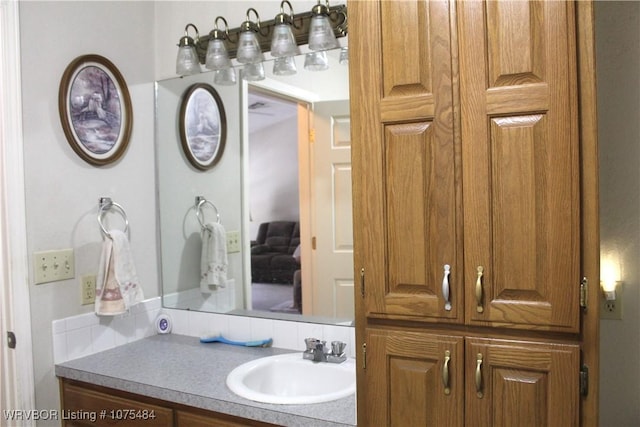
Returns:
(217,56)
(284,66)
(253,72)
(225,77)
(321,36)
(187,61)
(316,61)
(344,56)
(283,43)
(248,49)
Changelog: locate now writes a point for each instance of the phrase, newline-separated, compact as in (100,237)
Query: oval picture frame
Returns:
(95,109)
(203,126)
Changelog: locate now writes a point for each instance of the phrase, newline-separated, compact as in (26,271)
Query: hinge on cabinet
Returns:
(312,135)
(584,380)
(584,292)
(364,356)
(362,282)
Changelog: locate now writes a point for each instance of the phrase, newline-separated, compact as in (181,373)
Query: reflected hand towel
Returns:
(214,263)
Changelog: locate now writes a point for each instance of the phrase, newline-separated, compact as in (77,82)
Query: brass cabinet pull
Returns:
(479,392)
(445,287)
(445,372)
(479,307)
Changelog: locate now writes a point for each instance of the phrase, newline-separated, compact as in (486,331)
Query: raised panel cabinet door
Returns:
(405,157)
(521,166)
(524,384)
(412,379)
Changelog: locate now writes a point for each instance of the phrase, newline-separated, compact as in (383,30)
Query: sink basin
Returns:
(290,379)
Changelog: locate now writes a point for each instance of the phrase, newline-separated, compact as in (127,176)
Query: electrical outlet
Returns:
(233,241)
(88,287)
(52,266)
(611,310)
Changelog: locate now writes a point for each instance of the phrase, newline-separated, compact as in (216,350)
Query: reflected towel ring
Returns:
(107,204)
(200,202)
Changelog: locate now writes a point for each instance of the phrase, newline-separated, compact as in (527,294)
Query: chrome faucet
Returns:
(318,352)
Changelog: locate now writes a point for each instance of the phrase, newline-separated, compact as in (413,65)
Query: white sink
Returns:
(290,379)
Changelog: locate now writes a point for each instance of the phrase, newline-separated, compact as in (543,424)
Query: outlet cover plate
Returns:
(88,287)
(233,242)
(52,266)
(611,310)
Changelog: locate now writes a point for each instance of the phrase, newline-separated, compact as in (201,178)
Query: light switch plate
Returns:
(52,266)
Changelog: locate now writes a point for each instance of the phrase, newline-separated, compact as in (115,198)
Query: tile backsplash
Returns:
(86,334)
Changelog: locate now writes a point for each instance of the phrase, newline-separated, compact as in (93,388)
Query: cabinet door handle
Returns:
(445,372)
(479,392)
(445,287)
(479,307)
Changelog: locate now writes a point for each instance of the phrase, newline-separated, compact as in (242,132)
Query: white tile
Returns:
(200,324)
(261,329)
(180,320)
(81,321)
(79,343)
(309,330)
(219,324)
(239,328)
(145,323)
(124,328)
(103,337)
(60,348)
(285,335)
(59,326)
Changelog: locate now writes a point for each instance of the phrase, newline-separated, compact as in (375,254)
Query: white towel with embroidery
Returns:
(117,286)
(214,263)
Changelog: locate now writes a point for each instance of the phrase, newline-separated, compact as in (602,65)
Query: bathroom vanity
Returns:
(174,380)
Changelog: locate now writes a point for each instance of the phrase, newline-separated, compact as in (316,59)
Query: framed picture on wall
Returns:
(95,109)
(203,125)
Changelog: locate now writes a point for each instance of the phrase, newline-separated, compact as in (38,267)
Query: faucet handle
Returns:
(311,343)
(337,348)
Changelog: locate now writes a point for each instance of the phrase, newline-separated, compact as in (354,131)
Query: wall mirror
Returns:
(283,186)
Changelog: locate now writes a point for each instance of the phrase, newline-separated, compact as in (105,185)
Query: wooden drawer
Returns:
(85,407)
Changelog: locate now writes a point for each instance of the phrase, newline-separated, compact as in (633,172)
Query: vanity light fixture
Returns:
(217,56)
(316,61)
(283,43)
(344,56)
(321,35)
(225,77)
(253,72)
(284,66)
(249,51)
(187,62)
(247,43)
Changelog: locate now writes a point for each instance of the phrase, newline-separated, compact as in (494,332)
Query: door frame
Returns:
(18,391)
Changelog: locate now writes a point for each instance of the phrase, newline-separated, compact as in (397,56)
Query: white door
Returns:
(332,214)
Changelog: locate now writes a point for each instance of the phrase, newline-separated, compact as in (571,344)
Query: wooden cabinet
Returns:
(473,152)
(87,405)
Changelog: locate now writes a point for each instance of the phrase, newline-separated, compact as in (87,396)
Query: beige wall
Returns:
(618,70)
(61,190)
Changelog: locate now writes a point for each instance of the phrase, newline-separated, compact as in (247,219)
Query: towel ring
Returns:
(200,202)
(107,204)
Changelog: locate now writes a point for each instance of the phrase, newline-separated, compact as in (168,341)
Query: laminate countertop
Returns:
(180,369)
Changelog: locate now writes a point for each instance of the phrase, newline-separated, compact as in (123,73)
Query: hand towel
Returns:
(117,286)
(214,263)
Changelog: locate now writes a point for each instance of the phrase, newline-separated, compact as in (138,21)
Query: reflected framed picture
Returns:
(95,109)
(203,125)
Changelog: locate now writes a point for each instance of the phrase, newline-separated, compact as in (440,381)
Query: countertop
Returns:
(180,369)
